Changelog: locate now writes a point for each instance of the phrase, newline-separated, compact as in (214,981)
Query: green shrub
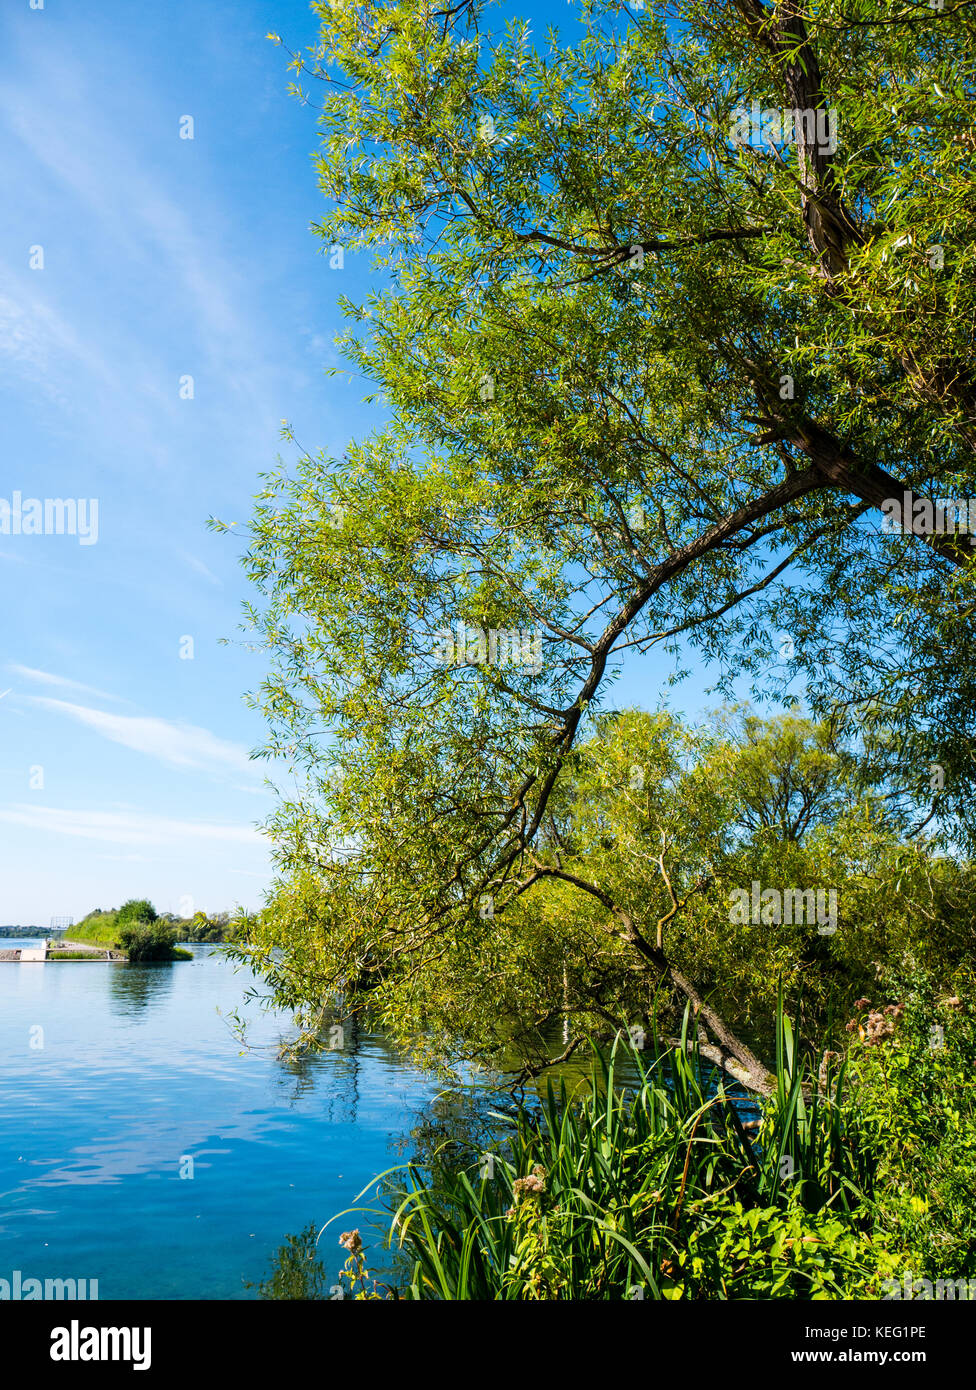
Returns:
(147,941)
(917,1106)
(136,910)
(741,1252)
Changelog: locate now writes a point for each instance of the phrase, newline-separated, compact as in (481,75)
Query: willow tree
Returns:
(670,310)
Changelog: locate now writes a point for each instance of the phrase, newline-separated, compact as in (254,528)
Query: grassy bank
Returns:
(100,929)
(856,1178)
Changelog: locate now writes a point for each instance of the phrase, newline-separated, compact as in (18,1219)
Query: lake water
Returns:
(134,1071)
(113,1077)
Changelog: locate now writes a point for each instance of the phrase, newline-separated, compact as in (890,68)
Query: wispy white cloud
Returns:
(32,333)
(106,180)
(128,829)
(144,225)
(30,673)
(201,568)
(178,745)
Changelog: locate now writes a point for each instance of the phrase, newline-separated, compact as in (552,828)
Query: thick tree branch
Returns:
(731,1052)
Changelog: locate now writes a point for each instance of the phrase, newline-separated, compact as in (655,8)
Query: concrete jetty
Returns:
(53,949)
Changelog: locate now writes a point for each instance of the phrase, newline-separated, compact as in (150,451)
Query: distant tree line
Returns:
(200,927)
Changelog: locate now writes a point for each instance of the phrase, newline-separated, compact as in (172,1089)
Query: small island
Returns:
(134,932)
(142,934)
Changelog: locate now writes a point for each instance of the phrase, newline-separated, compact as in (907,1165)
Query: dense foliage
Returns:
(851,1182)
(670,319)
(200,927)
(659,823)
(649,383)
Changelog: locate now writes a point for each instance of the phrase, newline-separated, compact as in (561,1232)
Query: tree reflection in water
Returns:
(296,1270)
(454,1130)
(133,987)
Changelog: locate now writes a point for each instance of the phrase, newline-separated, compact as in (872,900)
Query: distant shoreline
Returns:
(61,948)
(32,931)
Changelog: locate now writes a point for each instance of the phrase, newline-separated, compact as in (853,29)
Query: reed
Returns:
(645,1186)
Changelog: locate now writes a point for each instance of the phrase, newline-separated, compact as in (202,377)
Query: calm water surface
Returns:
(139,1069)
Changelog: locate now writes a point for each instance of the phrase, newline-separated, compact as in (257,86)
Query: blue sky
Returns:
(162,257)
(124,766)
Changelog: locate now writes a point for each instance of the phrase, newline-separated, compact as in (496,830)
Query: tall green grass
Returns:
(646,1187)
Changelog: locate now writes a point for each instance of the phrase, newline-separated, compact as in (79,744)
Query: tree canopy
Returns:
(669,320)
(136,910)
